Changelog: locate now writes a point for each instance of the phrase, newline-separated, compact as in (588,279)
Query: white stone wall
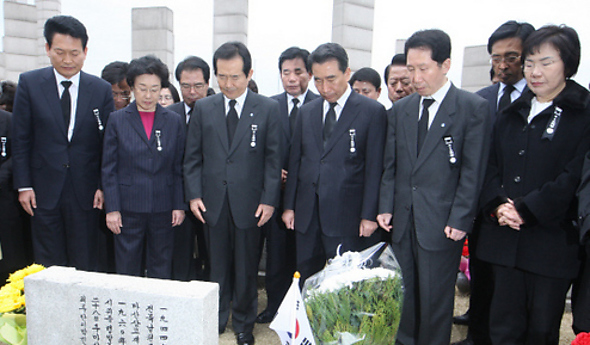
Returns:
(352,27)
(153,33)
(20,39)
(476,68)
(230,22)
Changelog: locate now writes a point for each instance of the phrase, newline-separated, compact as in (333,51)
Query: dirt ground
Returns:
(266,336)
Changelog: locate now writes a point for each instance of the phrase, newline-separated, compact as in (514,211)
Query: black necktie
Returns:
(329,122)
(66,103)
(423,122)
(232,120)
(293,114)
(505,100)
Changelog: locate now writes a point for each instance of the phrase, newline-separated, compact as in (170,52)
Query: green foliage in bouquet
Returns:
(13,329)
(370,307)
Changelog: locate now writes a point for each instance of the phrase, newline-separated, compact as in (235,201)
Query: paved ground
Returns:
(265,336)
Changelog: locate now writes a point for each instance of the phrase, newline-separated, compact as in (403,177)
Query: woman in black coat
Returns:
(529,195)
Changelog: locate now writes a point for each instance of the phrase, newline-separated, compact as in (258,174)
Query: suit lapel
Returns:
(285,119)
(244,124)
(219,120)
(317,124)
(410,124)
(135,122)
(442,121)
(348,114)
(49,88)
(160,121)
(82,104)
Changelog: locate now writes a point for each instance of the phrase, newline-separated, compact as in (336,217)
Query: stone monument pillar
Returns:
(20,39)
(153,33)
(45,10)
(352,27)
(400,45)
(230,22)
(476,68)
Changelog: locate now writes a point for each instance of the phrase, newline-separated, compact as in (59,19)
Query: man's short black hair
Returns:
(230,50)
(397,60)
(192,63)
(8,91)
(563,38)
(148,64)
(437,41)
(115,72)
(65,25)
(366,74)
(329,51)
(508,30)
(294,53)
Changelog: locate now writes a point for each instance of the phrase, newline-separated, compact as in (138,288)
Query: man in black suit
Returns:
(435,157)
(232,176)
(192,74)
(59,118)
(505,48)
(295,72)
(335,166)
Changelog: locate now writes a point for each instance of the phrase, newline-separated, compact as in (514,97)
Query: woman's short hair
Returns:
(173,92)
(148,64)
(563,38)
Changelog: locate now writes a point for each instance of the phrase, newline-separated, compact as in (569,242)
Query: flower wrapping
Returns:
(357,298)
(582,339)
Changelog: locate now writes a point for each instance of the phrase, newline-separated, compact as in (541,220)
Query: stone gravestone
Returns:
(69,307)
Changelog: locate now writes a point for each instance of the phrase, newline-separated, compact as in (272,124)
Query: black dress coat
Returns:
(541,173)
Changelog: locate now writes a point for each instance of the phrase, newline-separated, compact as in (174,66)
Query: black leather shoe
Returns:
(265,317)
(461,319)
(245,338)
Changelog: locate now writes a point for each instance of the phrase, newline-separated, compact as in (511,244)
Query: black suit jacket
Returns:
(42,154)
(541,176)
(248,171)
(346,183)
(178,108)
(285,124)
(5,150)
(490,93)
(136,176)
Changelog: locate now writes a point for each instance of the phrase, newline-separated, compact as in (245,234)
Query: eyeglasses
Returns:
(509,59)
(125,95)
(197,86)
(543,64)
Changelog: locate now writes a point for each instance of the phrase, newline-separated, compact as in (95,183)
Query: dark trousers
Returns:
(15,234)
(482,290)
(429,290)
(581,296)
(67,234)
(233,256)
(152,231)
(314,248)
(280,260)
(189,260)
(526,307)
(106,246)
